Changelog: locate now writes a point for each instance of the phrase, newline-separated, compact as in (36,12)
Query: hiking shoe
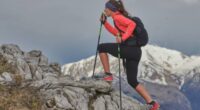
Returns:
(108,77)
(104,76)
(154,105)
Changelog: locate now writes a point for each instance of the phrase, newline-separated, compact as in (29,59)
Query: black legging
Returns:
(132,54)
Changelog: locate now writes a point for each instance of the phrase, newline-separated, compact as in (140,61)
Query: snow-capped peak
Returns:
(158,65)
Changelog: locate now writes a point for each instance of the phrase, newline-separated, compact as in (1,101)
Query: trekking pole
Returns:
(97,48)
(120,92)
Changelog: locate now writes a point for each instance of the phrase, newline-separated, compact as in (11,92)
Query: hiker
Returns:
(132,54)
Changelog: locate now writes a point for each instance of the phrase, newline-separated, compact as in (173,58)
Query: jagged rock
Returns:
(56,67)
(43,60)
(62,102)
(12,49)
(1,79)
(35,53)
(78,97)
(5,77)
(23,69)
(50,103)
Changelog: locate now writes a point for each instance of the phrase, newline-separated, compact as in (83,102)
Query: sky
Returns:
(67,30)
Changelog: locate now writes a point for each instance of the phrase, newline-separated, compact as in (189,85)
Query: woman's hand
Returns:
(103,18)
(119,39)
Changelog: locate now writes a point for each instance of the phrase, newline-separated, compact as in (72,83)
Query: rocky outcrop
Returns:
(30,74)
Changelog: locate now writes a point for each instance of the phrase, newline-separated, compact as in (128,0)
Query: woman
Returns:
(132,54)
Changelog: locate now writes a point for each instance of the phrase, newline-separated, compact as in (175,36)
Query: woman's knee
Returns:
(133,83)
(101,47)
(110,48)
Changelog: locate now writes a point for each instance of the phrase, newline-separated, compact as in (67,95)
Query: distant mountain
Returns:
(168,75)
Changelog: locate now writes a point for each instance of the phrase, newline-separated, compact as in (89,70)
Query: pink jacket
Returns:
(123,24)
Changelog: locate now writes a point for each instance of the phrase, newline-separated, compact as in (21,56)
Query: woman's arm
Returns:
(111,29)
(122,20)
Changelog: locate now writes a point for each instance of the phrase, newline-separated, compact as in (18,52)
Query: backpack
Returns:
(140,37)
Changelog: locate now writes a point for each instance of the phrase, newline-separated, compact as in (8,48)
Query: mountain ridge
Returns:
(168,60)
(160,68)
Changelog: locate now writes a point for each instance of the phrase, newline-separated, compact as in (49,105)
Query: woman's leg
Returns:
(132,61)
(105,62)
(104,49)
(131,70)
(143,92)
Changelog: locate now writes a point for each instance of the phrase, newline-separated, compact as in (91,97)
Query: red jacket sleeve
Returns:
(127,23)
(110,28)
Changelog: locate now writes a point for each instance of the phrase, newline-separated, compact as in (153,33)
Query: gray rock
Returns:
(43,60)
(1,51)
(38,75)
(1,79)
(12,49)
(6,77)
(24,69)
(62,102)
(35,53)
(78,97)
(31,60)
(56,68)
(99,104)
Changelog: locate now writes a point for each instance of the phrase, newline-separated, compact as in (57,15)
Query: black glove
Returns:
(103,18)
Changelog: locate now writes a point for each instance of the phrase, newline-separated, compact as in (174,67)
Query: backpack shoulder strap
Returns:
(129,17)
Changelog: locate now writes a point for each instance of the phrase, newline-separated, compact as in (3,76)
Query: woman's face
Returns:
(108,12)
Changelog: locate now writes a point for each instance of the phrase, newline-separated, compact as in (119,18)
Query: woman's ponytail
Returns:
(122,8)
